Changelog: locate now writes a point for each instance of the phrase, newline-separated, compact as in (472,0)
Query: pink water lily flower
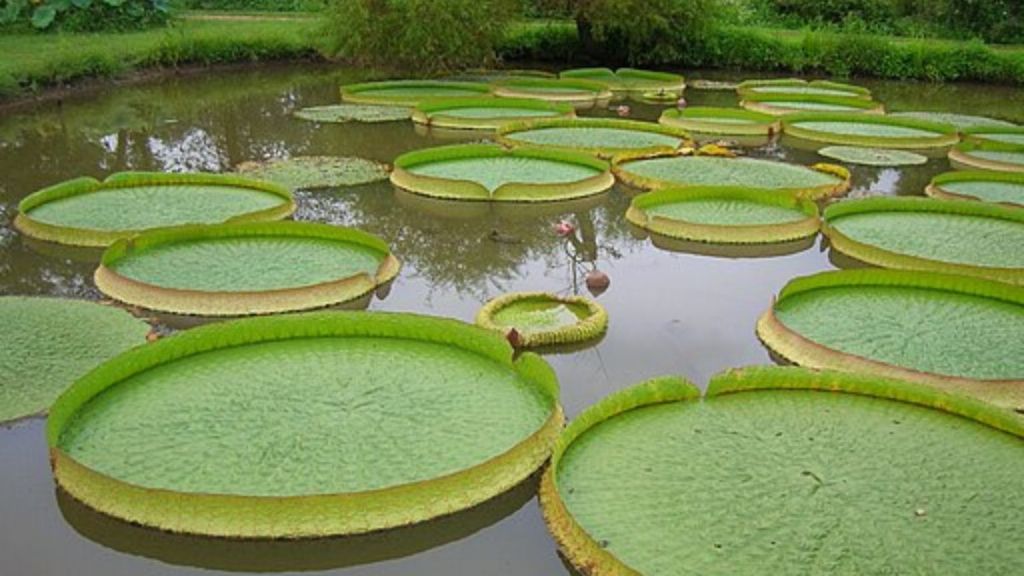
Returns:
(564,228)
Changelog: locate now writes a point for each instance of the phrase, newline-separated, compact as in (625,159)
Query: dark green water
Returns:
(671,312)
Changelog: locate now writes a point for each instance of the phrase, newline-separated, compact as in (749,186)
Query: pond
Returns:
(676,311)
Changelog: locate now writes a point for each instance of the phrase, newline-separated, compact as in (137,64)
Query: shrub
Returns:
(85,15)
(424,36)
(255,5)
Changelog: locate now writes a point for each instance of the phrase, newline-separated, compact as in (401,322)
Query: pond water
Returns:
(671,311)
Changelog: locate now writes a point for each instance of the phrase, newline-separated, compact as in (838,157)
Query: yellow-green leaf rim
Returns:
(876,131)
(724,121)
(409,92)
(591,318)
(195,245)
(444,112)
(291,506)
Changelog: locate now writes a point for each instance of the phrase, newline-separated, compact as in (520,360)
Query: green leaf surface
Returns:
(536,316)
(341,113)
(804,90)
(47,343)
(495,171)
(717,171)
(945,237)
(151,206)
(312,172)
(866,129)
(983,185)
(252,263)
(727,212)
(961,121)
(873,156)
(595,137)
(921,328)
(1006,156)
(499,112)
(306,415)
(793,482)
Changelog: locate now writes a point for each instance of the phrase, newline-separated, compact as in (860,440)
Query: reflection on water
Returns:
(290,556)
(674,308)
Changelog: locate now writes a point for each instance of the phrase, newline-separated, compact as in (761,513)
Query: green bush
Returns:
(422,36)
(255,5)
(85,15)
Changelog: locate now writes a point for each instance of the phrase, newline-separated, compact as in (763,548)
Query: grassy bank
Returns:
(799,51)
(35,61)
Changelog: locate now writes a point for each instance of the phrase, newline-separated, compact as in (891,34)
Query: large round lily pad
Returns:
(873,156)
(410,92)
(725,121)
(971,238)
(1012,135)
(87,212)
(725,215)
(485,113)
(999,187)
(799,87)
(305,425)
(953,332)
(486,172)
(533,319)
(313,172)
(961,121)
(340,113)
(787,471)
(782,104)
(48,343)
(579,93)
(869,130)
(818,181)
(630,79)
(993,156)
(240,269)
(602,137)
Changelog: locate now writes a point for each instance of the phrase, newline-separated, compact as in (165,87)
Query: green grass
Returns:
(35,61)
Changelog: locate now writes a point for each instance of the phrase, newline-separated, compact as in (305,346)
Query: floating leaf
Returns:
(240,269)
(653,480)
(305,425)
(48,343)
(487,172)
(353,113)
(873,156)
(726,121)
(926,234)
(485,113)
(961,121)
(957,333)
(409,92)
(602,137)
(542,319)
(87,212)
(630,79)
(999,187)
(869,130)
(312,172)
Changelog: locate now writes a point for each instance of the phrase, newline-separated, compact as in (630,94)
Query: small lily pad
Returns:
(873,156)
(341,113)
(311,172)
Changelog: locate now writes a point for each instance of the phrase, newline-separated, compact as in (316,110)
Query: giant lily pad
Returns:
(953,332)
(87,212)
(485,113)
(869,130)
(305,425)
(782,104)
(971,238)
(409,92)
(798,87)
(533,319)
(580,93)
(787,471)
(999,187)
(873,156)
(1012,135)
(630,79)
(239,269)
(340,113)
(818,181)
(961,121)
(602,137)
(995,156)
(725,121)
(485,172)
(725,215)
(48,343)
(312,172)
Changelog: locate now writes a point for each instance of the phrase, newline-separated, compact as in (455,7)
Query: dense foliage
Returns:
(425,36)
(85,15)
(989,20)
(255,5)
